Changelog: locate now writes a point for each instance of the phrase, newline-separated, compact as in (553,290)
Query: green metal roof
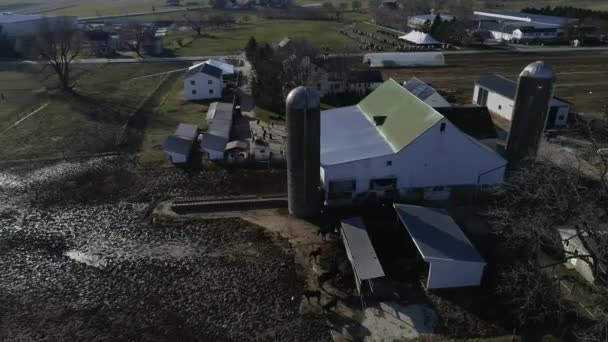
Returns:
(407,117)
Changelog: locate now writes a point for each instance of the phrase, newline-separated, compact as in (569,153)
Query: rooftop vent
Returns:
(379,120)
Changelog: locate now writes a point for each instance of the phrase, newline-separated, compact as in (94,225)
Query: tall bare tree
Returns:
(136,34)
(197,21)
(58,44)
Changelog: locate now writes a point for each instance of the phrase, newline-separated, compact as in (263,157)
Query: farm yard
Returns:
(581,77)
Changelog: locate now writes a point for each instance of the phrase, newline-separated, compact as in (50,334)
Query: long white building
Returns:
(393,144)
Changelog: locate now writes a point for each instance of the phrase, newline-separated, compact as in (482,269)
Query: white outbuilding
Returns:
(178,146)
(498,94)
(392,144)
(203,82)
(420,38)
(452,259)
(219,123)
(404,59)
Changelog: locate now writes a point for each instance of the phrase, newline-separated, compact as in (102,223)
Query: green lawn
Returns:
(88,122)
(172,110)
(233,40)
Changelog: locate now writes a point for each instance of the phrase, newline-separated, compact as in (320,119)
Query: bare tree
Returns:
(356,5)
(298,64)
(58,44)
(343,6)
(136,34)
(197,21)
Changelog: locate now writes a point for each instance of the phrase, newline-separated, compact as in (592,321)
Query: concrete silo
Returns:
(530,111)
(303,151)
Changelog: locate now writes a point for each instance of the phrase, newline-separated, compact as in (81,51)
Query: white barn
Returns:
(498,94)
(178,146)
(392,143)
(219,122)
(425,93)
(452,259)
(203,82)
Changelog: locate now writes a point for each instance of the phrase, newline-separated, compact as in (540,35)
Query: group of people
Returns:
(376,41)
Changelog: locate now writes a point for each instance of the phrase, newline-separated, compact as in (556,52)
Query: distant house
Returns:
(426,93)
(576,244)
(203,82)
(237,151)
(331,76)
(498,94)
(219,123)
(102,43)
(422,20)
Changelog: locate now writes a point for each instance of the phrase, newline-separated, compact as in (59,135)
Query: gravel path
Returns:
(97,272)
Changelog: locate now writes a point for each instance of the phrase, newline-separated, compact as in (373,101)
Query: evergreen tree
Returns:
(251,49)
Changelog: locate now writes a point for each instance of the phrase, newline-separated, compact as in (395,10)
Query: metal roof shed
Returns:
(453,260)
(360,252)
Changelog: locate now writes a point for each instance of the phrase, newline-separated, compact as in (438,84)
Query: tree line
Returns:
(568,11)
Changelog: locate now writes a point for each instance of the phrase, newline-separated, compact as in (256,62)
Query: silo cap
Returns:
(538,69)
(303,97)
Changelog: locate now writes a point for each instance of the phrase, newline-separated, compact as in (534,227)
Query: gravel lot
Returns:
(85,269)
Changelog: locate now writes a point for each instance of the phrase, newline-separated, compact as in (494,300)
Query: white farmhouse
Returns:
(393,144)
(203,82)
(425,93)
(498,94)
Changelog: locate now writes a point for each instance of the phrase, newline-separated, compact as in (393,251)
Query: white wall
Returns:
(436,158)
(503,106)
(450,273)
(202,87)
(501,35)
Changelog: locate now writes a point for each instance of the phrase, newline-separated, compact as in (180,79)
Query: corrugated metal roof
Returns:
(436,235)
(187,131)
(347,134)
(177,145)
(205,69)
(364,259)
(407,117)
(220,111)
(214,142)
(419,89)
(220,128)
(499,84)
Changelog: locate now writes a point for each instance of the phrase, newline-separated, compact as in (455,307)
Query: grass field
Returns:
(581,76)
(87,122)
(233,40)
(173,110)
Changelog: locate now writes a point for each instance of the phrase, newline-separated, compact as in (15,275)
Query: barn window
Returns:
(442,128)
(262,151)
(499,106)
(193,91)
(210,82)
(389,162)
(560,118)
(192,82)
(210,91)
(318,86)
(379,120)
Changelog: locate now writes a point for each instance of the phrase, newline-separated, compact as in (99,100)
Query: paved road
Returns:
(126,15)
(133,60)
